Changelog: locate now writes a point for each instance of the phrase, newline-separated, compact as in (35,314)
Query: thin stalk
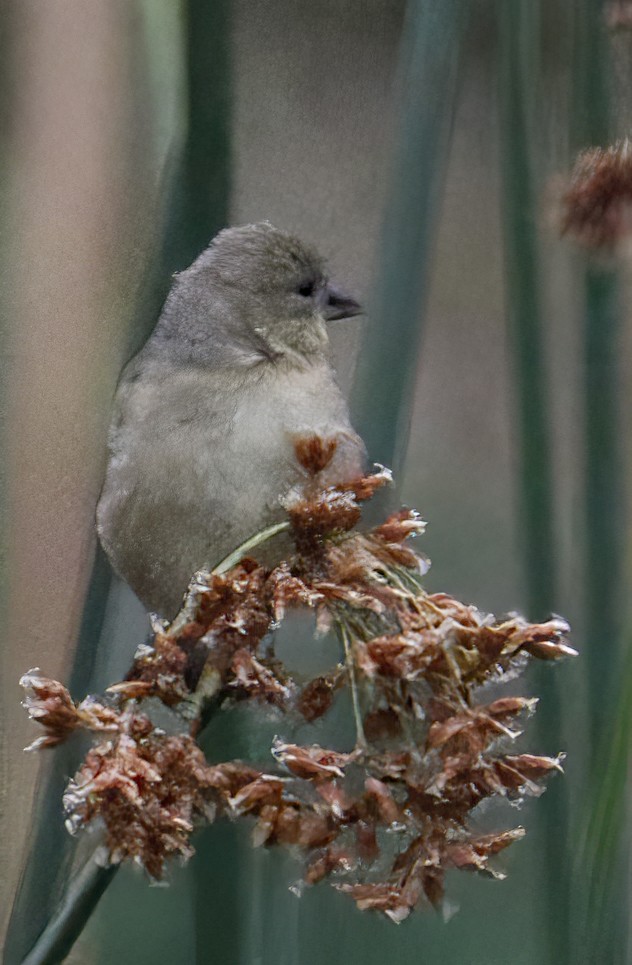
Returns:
(591,125)
(66,924)
(518,100)
(361,741)
(251,543)
(429,62)
(602,498)
(603,854)
(519,103)
(602,896)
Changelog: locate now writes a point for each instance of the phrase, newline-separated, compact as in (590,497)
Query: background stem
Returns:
(198,192)
(601,895)
(592,125)
(520,38)
(430,55)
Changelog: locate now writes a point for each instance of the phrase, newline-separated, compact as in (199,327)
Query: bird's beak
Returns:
(339,305)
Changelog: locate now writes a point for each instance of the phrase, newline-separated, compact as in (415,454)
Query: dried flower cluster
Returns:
(596,206)
(385,819)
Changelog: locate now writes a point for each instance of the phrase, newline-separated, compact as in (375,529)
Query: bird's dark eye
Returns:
(307,289)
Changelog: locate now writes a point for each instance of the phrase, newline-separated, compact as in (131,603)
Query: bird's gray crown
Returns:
(259,256)
(255,294)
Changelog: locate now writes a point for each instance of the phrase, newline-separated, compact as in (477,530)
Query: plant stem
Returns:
(66,924)
(602,506)
(253,541)
(350,665)
(602,891)
(603,852)
(428,70)
(604,527)
(519,79)
(519,103)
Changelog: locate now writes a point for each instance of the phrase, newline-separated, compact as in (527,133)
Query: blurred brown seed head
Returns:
(618,14)
(596,205)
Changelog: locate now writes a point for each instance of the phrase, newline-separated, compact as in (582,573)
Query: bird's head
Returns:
(258,279)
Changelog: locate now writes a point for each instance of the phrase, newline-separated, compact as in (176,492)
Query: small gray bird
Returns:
(205,416)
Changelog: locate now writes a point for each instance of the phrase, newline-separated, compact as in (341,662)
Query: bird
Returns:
(201,446)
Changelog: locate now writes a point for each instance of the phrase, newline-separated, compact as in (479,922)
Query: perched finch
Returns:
(201,444)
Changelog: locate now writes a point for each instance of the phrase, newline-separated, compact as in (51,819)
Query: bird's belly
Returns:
(276,412)
(184,496)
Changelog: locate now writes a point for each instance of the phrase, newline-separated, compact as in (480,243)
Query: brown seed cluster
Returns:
(147,788)
(387,818)
(596,205)
(49,703)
